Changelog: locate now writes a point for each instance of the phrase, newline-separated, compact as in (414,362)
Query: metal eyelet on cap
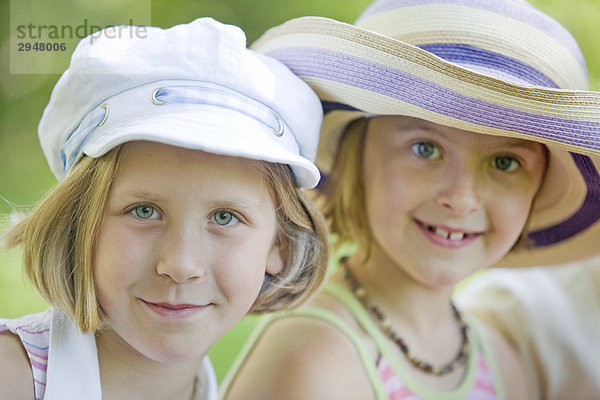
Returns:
(280,127)
(107,108)
(154,99)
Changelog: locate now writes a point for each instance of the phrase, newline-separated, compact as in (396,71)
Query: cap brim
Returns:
(218,131)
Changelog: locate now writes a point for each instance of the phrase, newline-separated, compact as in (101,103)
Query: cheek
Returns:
(119,260)
(510,217)
(240,273)
(390,196)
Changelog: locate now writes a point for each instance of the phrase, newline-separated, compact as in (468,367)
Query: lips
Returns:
(448,236)
(175,311)
(175,306)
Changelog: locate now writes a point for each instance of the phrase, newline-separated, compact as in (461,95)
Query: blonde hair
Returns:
(302,230)
(59,237)
(344,202)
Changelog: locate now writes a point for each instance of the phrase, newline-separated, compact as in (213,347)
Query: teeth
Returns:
(456,236)
(446,234)
(442,232)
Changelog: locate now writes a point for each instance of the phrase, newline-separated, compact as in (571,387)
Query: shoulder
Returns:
(510,365)
(299,358)
(496,299)
(16,378)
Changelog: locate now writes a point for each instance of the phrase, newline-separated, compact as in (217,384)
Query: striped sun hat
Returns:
(497,67)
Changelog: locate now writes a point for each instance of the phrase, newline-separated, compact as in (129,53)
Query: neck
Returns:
(127,374)
(420,315)
(400,296)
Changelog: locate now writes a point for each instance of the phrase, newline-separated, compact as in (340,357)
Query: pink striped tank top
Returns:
(34,332)
(482,389)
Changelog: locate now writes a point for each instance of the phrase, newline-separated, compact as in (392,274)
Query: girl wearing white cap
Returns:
(181,156)
(458,135)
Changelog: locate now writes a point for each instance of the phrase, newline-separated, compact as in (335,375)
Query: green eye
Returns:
(145,212)
(507,164)
(224,218)
(426,150)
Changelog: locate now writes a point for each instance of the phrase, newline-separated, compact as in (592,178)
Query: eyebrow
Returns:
(213,203)
(527,145)
(151,196)
(425,127)
(236,203)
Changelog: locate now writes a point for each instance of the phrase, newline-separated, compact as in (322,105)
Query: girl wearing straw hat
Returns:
(180,155)
(458,135)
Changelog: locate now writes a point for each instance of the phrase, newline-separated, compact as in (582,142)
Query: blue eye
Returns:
(506,164)
(145,212)
(224,218)
(426,150)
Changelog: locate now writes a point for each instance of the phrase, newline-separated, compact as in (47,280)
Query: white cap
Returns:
(195,86)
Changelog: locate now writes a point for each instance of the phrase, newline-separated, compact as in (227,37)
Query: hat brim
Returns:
(357,72)
(210,129)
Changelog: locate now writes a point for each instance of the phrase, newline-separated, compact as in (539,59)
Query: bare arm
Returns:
(16,378)
(302,359)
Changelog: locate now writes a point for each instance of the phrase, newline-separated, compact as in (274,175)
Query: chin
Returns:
(171,353)
(440,283)
(444,278)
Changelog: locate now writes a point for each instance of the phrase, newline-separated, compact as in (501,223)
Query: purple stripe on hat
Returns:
(522,12)
(586,216)
(473,56)
(329,106)
(352,71)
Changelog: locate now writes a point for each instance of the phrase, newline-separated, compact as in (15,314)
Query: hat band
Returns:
(203,93)
(586,216)
(71,151)
(221,97)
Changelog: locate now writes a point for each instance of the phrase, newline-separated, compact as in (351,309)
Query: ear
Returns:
(277,257)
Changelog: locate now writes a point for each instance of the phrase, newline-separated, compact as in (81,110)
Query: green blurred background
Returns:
(25,177)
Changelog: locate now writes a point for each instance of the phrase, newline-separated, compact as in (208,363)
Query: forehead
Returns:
(158,156)
(163,167)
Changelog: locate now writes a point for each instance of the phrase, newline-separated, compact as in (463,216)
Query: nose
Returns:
(459,190)
(180,255)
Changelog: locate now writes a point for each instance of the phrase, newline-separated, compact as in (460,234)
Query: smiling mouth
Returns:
(175,311)
(453,235)
(176,306)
